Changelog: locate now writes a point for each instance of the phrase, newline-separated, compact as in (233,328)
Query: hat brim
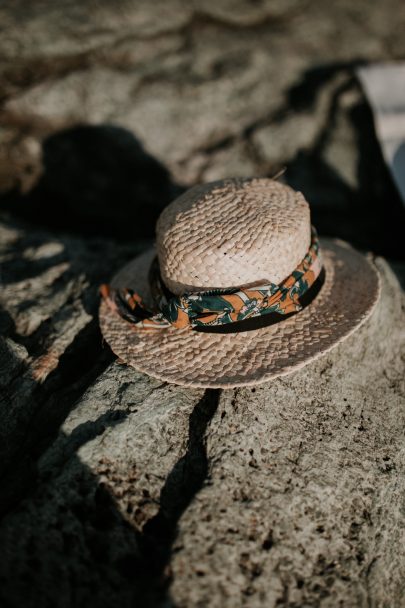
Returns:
(223,360)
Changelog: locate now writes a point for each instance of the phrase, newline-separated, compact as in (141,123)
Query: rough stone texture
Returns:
(210,89)
(117,489)
(305,467)
(289,494)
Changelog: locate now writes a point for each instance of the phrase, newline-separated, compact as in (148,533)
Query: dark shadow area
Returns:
(32,412)
(7,325)
(398,167)
(150,566)
(86,263)
(370,215)
(303,94)
(96,180)
(81,568)
(102,558)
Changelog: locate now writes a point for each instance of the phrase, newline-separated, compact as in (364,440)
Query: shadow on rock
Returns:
(366,211)
(96,180)
(398,166)
(72,537)
(182,484)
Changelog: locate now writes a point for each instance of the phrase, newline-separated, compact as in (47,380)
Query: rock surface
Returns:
(209,90)
(284,495)
(117,489)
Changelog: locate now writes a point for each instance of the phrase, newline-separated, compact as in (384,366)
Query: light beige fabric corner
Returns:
(228,234)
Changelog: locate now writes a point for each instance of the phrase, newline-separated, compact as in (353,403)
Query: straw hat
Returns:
(237,236)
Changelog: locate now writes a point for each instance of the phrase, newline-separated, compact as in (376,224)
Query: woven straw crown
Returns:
(232,233)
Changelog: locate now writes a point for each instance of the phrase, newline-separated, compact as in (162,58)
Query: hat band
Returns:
(218,306)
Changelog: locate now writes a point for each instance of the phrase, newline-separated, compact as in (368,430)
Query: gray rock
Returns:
(117,489)
(284,495)
(199,75)
(309,469)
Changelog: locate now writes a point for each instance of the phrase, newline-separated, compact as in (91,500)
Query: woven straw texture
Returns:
(232,233)
(192,358)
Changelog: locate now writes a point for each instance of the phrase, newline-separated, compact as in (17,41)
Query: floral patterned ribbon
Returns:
(218,306)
